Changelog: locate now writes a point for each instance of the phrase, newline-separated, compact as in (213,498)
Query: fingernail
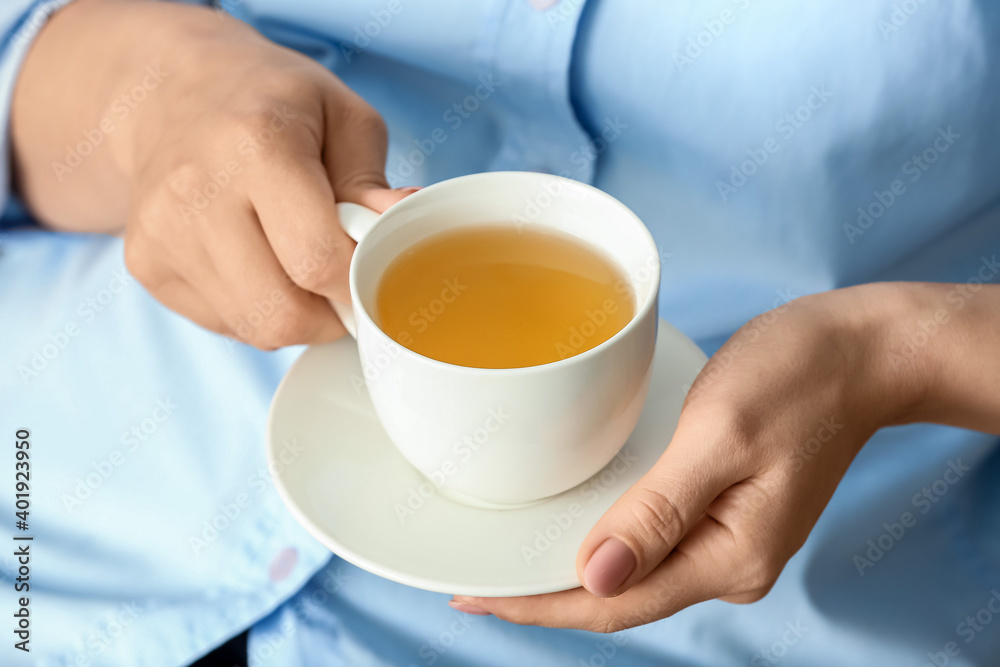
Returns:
(468,608)
(608,568)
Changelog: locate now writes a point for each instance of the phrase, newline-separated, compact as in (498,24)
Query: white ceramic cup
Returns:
(505,437)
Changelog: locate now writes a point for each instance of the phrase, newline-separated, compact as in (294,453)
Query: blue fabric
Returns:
(158,532)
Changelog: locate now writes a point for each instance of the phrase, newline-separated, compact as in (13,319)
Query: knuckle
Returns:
(753,596)
(255,130)
(605,621)
(289,325)
(610,626)
(180,182)
(174,198)
(363,118)
(138,260)
(658,519)
(317,275)
(764,574)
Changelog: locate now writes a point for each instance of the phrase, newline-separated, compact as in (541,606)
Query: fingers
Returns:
(246,284)
(701,568)
(297,210)
(300,184)
(180,297)
(354,152)
(652,517)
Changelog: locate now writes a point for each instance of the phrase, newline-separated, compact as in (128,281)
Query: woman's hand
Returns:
(224,152)
(766,433)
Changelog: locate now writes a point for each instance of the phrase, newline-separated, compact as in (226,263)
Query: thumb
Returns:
(648,521)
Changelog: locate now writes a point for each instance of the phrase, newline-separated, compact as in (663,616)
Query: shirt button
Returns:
(283,564)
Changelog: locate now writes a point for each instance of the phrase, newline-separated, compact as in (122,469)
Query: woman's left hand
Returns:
(765,435)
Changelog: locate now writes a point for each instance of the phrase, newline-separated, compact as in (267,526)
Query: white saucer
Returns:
(342,478)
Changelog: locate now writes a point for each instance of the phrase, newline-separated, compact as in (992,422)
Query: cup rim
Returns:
(642,310)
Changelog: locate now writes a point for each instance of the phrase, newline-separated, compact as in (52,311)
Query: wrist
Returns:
(869,327)
(893,324)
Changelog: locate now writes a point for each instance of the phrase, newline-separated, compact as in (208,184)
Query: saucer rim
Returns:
(676,337)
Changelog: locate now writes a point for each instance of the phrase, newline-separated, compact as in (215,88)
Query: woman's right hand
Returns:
(218,154)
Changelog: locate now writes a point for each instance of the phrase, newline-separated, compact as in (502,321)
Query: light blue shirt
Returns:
(774,150)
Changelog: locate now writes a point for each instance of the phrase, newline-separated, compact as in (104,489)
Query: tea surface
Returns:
(498,297)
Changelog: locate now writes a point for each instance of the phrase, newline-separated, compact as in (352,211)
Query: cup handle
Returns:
(357,221)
